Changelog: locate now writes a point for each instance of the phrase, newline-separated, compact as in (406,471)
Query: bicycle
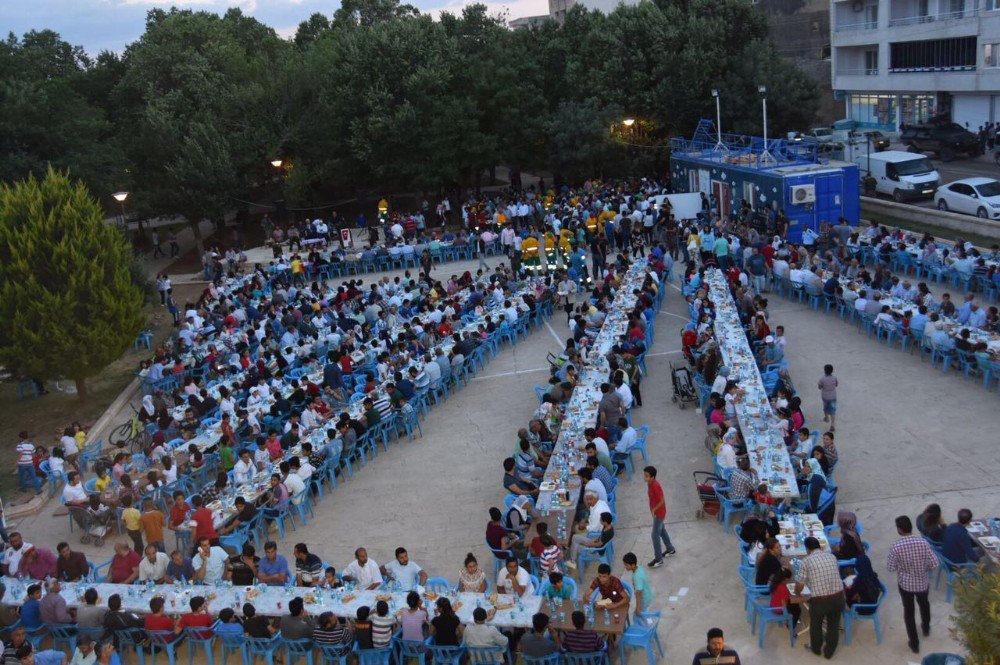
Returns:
(130,434)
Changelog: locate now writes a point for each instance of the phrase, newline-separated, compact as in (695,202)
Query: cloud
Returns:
(512,8)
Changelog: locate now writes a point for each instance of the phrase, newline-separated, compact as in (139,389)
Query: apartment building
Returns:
(898,62)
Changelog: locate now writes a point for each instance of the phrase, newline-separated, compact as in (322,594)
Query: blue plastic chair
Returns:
(334,653)
(62,634)
(852,612)
(952,571)
(444,655)
(408,649)
(135,639)
(437,585)
(279,513)
(587,555)
(642,635)
(302,507)
(551,659)
(752,591)
(165,641)
(729,506)
(486,655)
(540,393)
(499,558)
(373,656)
(231,642)
(261,646)
(201,637)
(765,614)
(586,658)
(299,649)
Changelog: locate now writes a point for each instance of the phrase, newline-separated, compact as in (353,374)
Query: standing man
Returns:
(640,582)
(157,247)
(715,652)
(821,573)
(828,393)
(658,507)
(912,558)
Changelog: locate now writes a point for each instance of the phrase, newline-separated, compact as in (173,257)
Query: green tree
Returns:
(68,303)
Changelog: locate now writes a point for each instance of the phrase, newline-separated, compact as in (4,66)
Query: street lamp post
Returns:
(120,197)
(766,155)
(718,120)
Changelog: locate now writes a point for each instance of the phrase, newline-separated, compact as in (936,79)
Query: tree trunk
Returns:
(81,388)
(195,223)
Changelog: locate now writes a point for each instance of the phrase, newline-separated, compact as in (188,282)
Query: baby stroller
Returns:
(94,527)
(684,390)
(705,483)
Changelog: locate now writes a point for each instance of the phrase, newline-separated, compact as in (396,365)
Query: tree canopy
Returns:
(68,304)
(377,95)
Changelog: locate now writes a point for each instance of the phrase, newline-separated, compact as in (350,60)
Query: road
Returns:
(960,167)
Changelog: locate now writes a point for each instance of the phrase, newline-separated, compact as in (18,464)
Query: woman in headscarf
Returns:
(865,588)
(147,413)
(815,483)
(726,457)
(850,545)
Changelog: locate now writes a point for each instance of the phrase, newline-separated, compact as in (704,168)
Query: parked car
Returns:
(879,140)
(818,134)
(946,140)
(972,196)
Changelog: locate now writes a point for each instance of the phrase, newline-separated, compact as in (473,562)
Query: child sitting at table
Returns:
(781,597)
(363,629)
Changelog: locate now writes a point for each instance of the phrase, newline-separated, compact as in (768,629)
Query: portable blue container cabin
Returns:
(787,175)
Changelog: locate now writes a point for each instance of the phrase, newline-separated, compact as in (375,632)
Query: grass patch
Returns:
(936,231)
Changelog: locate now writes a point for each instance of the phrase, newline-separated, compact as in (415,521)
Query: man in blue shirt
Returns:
(956,544)
(31,610)
(273,568)
(28,656)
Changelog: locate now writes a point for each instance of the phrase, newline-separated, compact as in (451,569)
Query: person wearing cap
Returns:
(820,571)
(940,339)
(771,353)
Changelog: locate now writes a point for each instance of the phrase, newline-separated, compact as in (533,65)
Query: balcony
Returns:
(851,27)
(931,18)
(856,72)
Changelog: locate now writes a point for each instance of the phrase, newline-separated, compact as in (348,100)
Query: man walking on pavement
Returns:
(157,248)
(658,507)
(913,559)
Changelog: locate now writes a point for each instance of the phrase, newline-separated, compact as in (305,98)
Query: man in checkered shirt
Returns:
(742,481)
(821,573)
(913,559)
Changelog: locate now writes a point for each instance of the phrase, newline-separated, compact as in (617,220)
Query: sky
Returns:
(99,25)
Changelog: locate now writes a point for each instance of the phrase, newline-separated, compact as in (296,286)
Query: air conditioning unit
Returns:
(802,194)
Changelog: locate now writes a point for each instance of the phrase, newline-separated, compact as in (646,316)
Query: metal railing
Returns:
(947,16)
(864,71)
(850,27)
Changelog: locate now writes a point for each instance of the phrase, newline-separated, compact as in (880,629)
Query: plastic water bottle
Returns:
(607,617)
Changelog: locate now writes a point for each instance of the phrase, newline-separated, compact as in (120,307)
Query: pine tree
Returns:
(68,303)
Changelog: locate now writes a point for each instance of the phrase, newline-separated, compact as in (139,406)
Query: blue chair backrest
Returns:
(486,655)
(373,656)
(589,658)
(551,659)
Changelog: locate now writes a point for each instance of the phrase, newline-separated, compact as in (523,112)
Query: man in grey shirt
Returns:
(828,393)
(610,410)
(542,640)
(298,625)
(481,635)
(89,615)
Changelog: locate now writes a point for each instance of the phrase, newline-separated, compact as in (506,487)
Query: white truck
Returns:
(901,175)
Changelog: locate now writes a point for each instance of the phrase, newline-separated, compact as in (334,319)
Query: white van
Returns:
(901,175)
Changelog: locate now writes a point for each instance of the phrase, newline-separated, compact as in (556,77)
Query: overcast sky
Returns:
(111,24)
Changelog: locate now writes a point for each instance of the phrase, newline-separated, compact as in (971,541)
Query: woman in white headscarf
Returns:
(147,413)
(726,457)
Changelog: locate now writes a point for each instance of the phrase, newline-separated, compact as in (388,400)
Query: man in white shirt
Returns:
(209,563)
(510,312)
(244,469)
(73,493)
(293,483)
(719,385)
(407,573)
(596,507)
(602,446)
(364,571)
(153,565)
(14,552)
(514,580)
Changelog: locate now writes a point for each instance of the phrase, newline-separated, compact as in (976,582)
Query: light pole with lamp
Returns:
(120,197)
(766,155)
(718,120)
(279,206)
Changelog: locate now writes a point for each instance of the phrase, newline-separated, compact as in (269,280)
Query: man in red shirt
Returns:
(124,567)
(611,588)
(658,507)
(198,617)
(205,522)
(158,621)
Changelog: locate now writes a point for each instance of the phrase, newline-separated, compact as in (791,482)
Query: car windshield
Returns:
(914,166)
(989,189)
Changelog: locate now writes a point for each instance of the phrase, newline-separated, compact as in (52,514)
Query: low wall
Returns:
(932,216)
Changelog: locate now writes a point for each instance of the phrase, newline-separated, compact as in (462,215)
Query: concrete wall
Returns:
(947,220)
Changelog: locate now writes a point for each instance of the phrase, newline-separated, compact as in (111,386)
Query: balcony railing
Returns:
(851,27)
(947,16)
(857,72)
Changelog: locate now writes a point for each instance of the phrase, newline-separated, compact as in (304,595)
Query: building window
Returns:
(873,110)
(958,54)
(824,52)
(871,62)
(991,55)
(991,5)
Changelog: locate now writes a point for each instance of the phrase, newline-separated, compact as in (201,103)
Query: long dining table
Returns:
(758,422)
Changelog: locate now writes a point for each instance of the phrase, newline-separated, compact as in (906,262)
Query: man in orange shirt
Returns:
(204,521)
(198,617)
(658,507)
(152,523)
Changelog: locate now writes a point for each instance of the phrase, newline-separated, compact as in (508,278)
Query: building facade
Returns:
(901,62)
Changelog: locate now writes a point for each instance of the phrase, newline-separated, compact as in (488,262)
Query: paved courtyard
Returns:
(908,435)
